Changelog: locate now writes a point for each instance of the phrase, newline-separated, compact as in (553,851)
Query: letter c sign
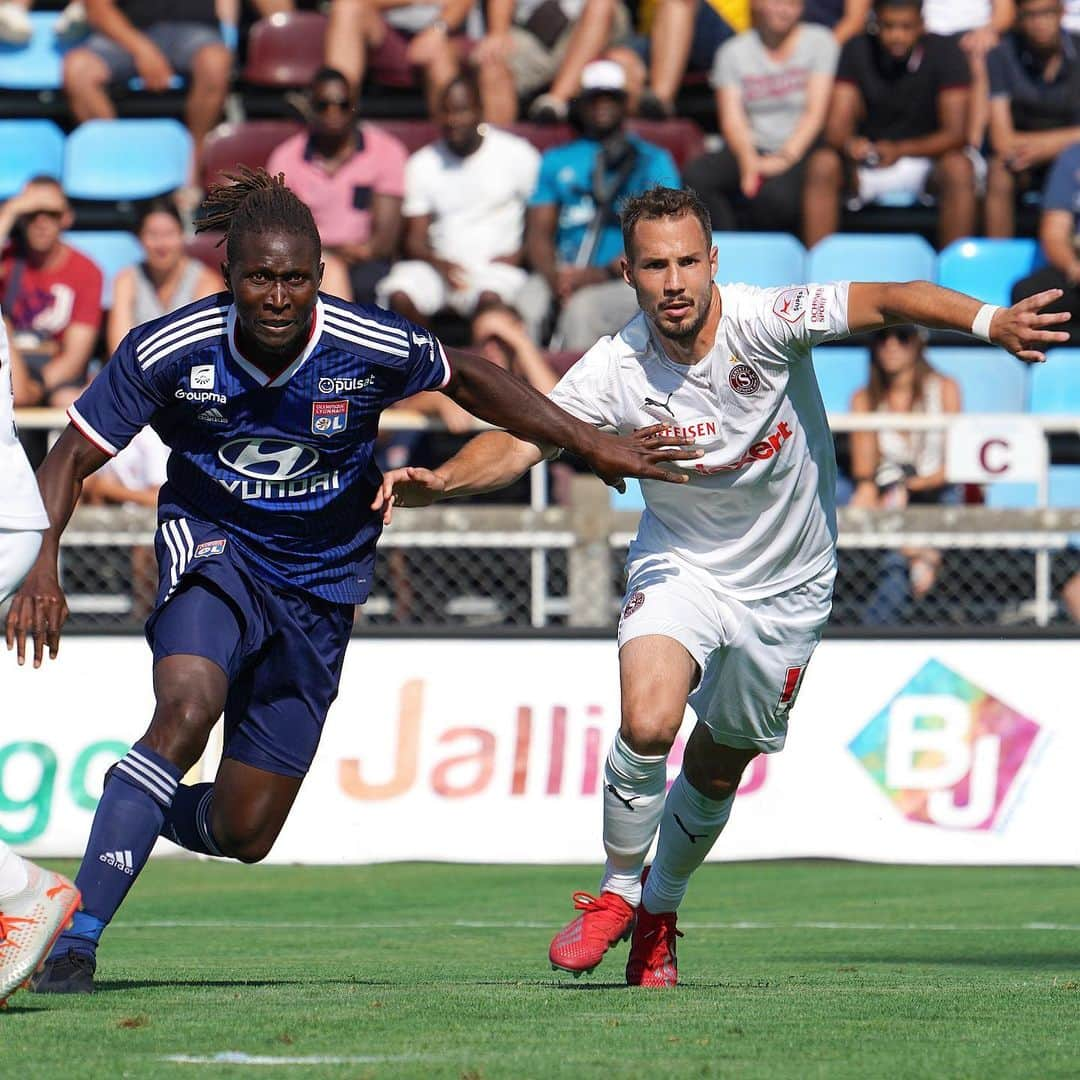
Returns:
(994,456)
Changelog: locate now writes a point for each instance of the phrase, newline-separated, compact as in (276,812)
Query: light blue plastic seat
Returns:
(991,381)
(1064,491)
(871,257)
(126,159)
(632,499)
(112,251)
(37,65)
(987,269)
(31,148)
(1055,385)
(757,258)
(840,371)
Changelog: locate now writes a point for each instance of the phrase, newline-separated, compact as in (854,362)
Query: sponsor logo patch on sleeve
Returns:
(819,309)
(790,305)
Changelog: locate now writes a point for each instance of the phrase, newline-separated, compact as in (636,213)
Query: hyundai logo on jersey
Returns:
(329,417)
(268,459)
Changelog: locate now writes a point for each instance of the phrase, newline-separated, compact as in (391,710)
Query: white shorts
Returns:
(751,654)
(429,291)
(907,176)
(18,550)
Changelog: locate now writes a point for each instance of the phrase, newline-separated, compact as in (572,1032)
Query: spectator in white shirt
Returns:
(464,211)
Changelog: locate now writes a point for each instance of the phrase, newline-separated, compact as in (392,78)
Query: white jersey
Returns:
(759,512)
(20,502)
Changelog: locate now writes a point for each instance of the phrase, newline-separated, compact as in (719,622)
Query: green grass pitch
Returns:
(795,969)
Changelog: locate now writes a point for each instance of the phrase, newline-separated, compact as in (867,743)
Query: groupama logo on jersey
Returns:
(944,751)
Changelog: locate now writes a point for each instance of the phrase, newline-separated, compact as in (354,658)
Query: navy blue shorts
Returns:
(281,650)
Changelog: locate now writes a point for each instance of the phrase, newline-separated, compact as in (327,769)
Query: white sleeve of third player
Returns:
(801,316)
(585,391)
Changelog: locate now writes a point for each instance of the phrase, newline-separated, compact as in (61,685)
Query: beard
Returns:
(686,330)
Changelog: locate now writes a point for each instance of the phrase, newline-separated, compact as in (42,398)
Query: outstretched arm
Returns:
(1022,329)
(492,394)
(39,606)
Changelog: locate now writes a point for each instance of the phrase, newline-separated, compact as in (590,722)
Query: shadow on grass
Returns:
(226,984)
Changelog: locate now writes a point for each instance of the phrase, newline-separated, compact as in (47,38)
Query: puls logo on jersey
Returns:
(345,386)
(274,469)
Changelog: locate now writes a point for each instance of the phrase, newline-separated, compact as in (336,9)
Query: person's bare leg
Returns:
(210,70)
(439,72)
(821,195)
(497,92)
(86,77)
(352,27)
(1000,199)
(954,178)
(634,67)
(670,40)
(588,41)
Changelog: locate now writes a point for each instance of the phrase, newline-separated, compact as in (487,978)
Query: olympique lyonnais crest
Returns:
(210,547)
(329,417)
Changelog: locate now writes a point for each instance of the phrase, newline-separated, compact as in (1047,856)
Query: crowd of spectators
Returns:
(821,108)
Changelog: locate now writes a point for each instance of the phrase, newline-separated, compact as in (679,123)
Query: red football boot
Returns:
(652,959)
(604,921)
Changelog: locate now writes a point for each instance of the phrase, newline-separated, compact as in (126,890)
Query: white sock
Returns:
(14,873)
(691,823)
(633,802)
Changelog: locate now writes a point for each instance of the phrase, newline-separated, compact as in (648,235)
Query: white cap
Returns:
(603,76)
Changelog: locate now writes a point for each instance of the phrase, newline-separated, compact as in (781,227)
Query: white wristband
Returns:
(980,325)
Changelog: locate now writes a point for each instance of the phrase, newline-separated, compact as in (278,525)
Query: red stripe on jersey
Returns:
(88,434)
(791,684)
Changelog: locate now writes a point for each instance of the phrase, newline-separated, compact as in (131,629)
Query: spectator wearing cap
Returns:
(50,291)
(897,125)
(155,40)
(1034,107)
(352,176)
(465,198)
(543,45)
(573,238)
(772,89)
(1059,236)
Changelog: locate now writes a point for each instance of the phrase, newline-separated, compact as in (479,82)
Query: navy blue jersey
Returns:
(285,464)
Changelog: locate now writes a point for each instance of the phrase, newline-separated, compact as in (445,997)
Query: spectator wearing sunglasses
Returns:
(51,292)
(352,176)
(893,469)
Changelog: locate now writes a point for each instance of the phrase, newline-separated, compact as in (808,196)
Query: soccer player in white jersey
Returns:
(730,576)
(35,904)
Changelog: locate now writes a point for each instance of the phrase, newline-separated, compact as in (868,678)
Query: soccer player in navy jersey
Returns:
(269,397)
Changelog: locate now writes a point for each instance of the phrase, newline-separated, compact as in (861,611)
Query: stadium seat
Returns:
(871,257)
(250,143)
(759,258)
(840,371)
(1064,491)
(988,269)
(205,247)
(285,49)
(1055,385)
(31,148)
(126,159)
(682,138)
(413,134)
(631,499)
(112,251)
(38,65)
(991,381)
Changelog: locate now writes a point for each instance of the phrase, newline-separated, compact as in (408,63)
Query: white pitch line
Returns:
(473,924)
(238,1057)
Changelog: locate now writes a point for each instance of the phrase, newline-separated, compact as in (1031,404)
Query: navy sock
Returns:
(138,790)
(187,820)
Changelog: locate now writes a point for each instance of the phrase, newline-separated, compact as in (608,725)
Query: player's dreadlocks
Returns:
(255,201)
